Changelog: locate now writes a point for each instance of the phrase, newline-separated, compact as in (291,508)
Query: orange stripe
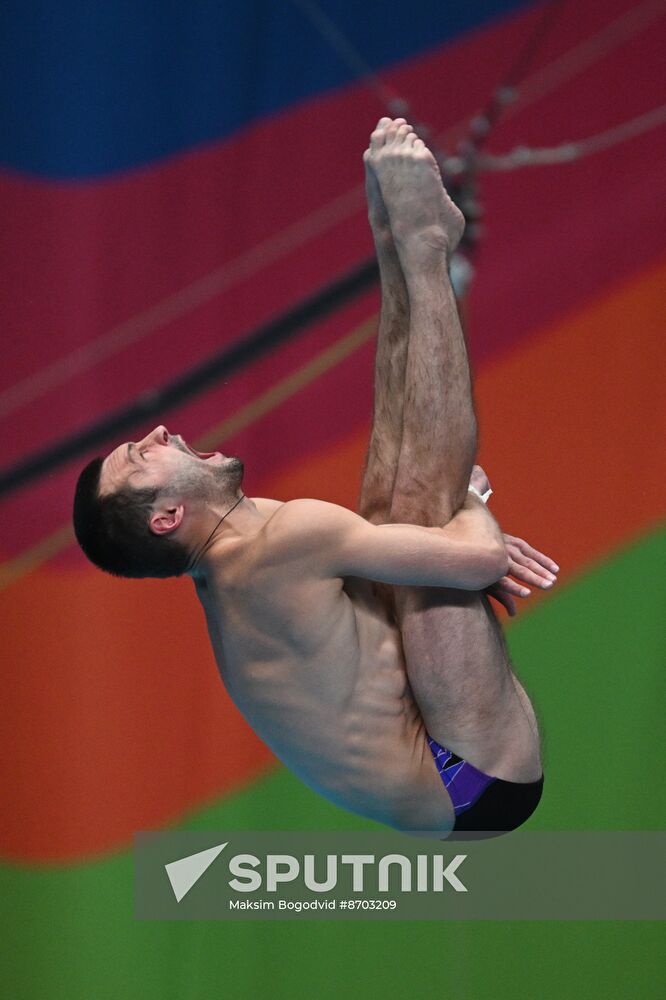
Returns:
(570,426)
(114,714)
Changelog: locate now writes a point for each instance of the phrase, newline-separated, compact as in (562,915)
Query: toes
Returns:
(377,139)
(397,131)
(379,135)
(393,131)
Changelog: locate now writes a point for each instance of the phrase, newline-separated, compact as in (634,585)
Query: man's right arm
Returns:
(468,553)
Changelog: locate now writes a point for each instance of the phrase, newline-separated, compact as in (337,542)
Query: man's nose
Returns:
(159,434)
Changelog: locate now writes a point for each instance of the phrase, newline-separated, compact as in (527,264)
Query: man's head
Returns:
(140,511)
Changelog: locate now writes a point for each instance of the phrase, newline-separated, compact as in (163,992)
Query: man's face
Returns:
(164,462)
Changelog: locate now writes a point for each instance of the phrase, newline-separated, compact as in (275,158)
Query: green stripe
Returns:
(592,658)
(591,655)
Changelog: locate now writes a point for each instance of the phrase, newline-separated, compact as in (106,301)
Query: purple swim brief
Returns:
(464,782)
(481,802)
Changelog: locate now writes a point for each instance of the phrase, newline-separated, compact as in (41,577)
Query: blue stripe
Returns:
(95,86)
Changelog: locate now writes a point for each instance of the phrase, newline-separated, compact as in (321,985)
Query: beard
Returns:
(232,472)
(209,482)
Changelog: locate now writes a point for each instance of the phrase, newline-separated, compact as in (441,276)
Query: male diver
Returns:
(360,647)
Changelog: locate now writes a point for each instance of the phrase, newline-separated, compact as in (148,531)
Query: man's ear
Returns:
(167,519)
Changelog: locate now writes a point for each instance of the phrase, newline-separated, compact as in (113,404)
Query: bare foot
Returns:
(377,214)
(423,219)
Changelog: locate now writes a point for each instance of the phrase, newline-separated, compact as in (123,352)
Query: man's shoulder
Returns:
(266,506)
(309,514)
(306,526)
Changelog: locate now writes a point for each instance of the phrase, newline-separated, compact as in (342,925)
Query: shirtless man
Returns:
(358,690)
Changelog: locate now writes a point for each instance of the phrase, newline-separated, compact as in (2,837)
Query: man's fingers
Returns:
(527,575)
(537,568)
(533,553)
(511,587)
(503,598)
(508,603)
(517,555)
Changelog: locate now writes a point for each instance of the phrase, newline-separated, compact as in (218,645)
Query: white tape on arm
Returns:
(482,496)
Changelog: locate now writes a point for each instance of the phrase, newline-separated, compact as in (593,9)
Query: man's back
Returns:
(316,666)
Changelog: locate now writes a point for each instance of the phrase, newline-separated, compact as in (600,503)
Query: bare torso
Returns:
(316,667)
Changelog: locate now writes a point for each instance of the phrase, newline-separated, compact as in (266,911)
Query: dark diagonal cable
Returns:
(504,92)
(225,362)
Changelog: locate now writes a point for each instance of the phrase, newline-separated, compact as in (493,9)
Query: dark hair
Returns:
(113,530)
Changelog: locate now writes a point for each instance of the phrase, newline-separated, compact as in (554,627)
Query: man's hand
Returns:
(479,480)
(527,565)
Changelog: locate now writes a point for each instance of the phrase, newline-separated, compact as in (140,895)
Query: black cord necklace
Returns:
(202,548)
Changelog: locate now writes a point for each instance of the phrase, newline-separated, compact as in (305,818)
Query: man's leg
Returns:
(381,464)
(456,659)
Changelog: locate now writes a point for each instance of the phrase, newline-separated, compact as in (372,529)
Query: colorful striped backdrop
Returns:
(173,174)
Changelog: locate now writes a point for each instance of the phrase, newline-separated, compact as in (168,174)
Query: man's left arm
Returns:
(527,565)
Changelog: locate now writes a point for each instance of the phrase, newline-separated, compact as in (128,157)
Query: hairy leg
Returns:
(381,462)
(456,659)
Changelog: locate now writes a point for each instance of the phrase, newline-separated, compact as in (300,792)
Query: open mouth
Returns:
(199,454)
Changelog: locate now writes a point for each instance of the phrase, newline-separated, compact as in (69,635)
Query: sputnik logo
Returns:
(186,872)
